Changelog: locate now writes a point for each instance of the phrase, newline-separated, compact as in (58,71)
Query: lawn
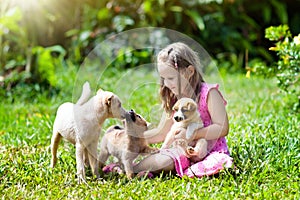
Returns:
(263,140)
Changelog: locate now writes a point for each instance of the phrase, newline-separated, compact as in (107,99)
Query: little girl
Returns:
(179,69)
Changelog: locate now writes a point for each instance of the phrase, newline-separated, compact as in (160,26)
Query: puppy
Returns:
(80,124)
(187,117)
(125,144)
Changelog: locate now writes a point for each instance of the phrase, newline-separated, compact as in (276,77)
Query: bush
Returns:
(228,30)
(287,68)
(22,61)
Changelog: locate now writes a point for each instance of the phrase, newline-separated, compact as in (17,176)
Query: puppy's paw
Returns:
(53,162)
(81,179)
(117,169)
(129,175)
(191,151)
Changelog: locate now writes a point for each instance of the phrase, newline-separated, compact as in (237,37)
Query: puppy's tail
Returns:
(85,95)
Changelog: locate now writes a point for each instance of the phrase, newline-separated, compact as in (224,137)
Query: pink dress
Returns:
(218,157)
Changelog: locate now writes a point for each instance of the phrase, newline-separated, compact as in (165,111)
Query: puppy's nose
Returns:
(178,118)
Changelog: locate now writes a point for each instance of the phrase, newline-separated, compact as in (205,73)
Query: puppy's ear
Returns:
(99,91)
(175,107)
(191,106)
(108,99)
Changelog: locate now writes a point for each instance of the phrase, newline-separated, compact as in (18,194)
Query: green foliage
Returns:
(278,33)
(21,60)
(287,68)
(226,29)
(120,22)
(47,62)
(13,37)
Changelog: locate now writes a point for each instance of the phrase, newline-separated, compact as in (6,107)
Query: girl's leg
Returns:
(155,163)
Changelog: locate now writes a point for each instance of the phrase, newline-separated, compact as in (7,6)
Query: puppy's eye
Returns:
(184,109)
(138,116)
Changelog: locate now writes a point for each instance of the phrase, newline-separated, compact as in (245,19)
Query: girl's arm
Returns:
(158,134)
(220,126)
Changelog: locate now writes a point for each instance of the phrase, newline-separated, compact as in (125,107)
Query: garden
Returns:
(47,52)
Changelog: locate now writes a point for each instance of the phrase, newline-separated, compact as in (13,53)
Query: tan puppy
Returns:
(80,124)
(187,117)
(125,144)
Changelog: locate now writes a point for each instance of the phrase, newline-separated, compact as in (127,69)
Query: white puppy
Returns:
(187,117)
(80,124)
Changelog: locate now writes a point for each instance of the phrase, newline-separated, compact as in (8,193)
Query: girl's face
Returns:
(169,76)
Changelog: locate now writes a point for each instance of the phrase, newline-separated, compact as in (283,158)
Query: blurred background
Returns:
(37,37)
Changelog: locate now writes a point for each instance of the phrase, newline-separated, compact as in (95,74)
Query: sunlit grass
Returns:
(263,141)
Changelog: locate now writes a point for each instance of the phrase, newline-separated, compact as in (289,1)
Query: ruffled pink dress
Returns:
(218,157)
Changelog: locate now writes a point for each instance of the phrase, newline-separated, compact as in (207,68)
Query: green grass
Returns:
(263,140)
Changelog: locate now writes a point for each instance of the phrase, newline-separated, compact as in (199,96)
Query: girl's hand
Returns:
(180,133)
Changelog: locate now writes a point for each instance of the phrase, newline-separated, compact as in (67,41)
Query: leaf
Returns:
(46,62)
(297,40)
(176,8)
(147,7)
(281,11)
(275,33)
(104,14)
(121,21)
(84,36)
(10,20)
(57,48)
(266,13)
(196,18)
(72,32)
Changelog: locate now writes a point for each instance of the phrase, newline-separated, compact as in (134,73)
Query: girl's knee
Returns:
(155,163)
(164,163)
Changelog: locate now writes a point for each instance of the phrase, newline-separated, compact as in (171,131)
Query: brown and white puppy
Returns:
(187,117)
(125,143)
(80,124)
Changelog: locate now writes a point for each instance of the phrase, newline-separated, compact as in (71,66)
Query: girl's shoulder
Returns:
(206,88)
(203,103)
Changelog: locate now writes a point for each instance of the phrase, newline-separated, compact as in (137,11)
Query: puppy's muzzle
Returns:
(132,115)
(178,118)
